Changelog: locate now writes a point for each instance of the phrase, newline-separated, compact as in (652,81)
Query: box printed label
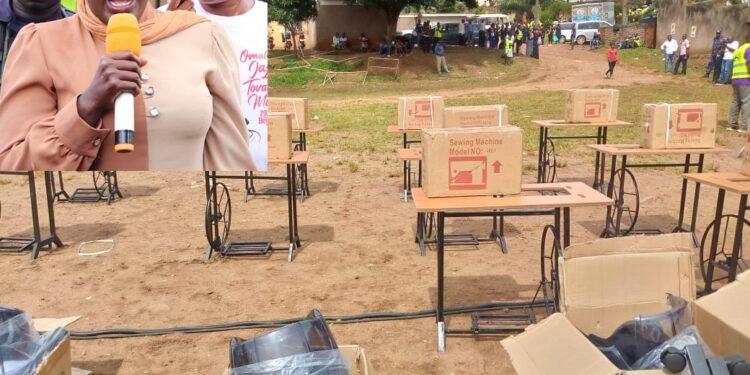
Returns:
(690,120)
(467,172)
(592,110)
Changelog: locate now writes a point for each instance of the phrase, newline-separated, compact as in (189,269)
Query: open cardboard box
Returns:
(357,359)
(609,281)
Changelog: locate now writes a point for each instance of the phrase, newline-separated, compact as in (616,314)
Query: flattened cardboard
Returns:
(592,106)
(420,112)
(556,347)
(297,107)
(357,360)
(610,281)
(467,162)
(723,318)
(478,116)
(687,125)
(58,362)
(279,136)
(43,325)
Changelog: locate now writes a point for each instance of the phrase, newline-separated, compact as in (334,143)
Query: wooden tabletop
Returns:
(298,157)
(576,194)
(312,129)
(563,124)
(397,129)
(731,181)
(414,153)
(633,149)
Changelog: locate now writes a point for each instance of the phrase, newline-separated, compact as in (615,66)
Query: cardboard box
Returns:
(464,162)
(58,362)
(690,125)
(357,360)
(607,282)
(591,106)
(296,106)
(424,112)
(480,116)
(279,136)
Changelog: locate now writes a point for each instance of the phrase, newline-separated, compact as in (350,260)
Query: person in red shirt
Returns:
(612,59)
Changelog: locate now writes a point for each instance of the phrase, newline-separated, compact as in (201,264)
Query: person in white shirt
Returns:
(684,55)
(336,41)
(670,48)
(245,23)
(728,61)
(462,32)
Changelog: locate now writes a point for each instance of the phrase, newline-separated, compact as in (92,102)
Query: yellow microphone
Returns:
(124,35)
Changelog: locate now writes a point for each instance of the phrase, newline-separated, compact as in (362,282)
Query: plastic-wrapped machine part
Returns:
(22,349)
(636,338)
(688,336)
(306,336)
(323,362)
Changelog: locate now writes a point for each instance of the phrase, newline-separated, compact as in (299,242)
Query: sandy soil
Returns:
(358,256)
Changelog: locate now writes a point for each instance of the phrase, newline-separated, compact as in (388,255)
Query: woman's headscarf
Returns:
(154,25)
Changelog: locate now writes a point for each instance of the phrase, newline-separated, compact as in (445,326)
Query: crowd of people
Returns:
(720,61)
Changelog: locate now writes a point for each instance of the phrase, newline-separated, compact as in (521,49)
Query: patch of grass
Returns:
(474,69)
(353,167)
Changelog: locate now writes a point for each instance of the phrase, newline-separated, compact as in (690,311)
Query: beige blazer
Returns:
(190,97)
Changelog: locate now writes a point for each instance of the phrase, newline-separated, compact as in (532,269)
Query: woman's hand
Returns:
(118,72)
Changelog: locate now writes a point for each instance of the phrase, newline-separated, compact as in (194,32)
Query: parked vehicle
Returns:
(585,30)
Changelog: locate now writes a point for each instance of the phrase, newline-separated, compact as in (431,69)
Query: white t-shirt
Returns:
(249,36)
(669,46)
(729,55)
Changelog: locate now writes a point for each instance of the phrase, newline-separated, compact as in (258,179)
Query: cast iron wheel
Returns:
(298,180)
(550,282)
(99,180)
(218,218)
(549,167)
(628,209)
(723,249)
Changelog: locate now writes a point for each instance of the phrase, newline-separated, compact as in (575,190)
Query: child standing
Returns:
(612,59)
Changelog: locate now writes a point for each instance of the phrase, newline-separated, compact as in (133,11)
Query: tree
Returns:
(291,13)
(393,8)
(520,7)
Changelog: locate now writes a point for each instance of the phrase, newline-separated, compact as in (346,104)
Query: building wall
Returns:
(350,19)
(685,16)
(646,31)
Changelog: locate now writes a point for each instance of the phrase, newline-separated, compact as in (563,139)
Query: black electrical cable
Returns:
(253,324)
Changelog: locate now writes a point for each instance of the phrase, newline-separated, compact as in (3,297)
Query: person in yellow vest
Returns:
(436,36)
(740,89)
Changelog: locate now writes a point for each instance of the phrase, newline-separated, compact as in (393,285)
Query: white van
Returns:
(585,30)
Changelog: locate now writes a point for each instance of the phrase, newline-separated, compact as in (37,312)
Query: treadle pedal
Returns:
(87,195)
(461,239)
(247,248)
(15,244)
(275,191)
(500,323)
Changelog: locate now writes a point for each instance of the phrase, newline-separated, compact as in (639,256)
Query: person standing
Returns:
(462,32)
(14,15)
(670,48)
(436,36)
(519,39)
(440,58)
(612,60)
(715,59)
(508,45)
(726,63)
(684,55)
(740,89)
(573,33)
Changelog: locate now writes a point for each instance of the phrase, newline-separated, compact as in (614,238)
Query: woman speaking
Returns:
(59,88)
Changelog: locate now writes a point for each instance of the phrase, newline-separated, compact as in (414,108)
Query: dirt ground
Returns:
(358,256)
